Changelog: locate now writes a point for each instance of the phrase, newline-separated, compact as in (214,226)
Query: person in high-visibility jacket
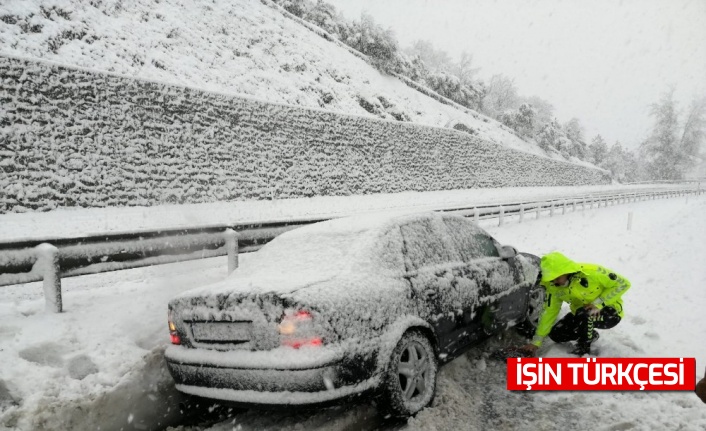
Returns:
(594,294)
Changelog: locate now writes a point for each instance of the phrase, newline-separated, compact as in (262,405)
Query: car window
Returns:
(470,241)
(388,251)
(424,245)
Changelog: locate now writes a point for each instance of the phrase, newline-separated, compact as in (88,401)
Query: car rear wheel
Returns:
(410,380)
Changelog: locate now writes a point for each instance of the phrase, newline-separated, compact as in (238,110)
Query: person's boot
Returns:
(581,349)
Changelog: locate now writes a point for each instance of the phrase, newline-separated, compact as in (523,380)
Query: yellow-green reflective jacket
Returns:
(590,284)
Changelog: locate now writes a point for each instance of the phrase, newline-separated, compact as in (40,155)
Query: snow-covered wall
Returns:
(73,137)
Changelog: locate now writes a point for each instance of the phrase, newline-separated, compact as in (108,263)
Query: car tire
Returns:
(410,379)
(535,306)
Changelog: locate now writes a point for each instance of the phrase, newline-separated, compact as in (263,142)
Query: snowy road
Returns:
(98,363)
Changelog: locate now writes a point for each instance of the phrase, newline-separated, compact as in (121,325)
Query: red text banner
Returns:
(601,374)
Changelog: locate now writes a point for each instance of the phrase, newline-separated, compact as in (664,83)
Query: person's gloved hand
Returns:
(592,310)
(701,389)
(530,348)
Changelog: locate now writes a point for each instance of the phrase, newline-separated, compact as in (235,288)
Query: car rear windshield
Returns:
(327,254)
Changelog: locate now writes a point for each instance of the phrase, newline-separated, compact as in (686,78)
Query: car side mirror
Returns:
(507,251)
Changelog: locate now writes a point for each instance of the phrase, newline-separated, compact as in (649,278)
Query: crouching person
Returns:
(593,293)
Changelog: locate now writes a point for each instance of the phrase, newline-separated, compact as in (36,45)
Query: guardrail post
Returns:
(522,212)
(551,209)
(232,247)
(573,202)
(501,216)
(539,209)
(476,215)
(583,205)
(563,210)
(48,264)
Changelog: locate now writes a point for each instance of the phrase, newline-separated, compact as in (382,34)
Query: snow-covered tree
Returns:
(295,7)
(631,167)
(453,80)
(500,97)
(378,44)
(574,132)
(544,111)
(323,15)
(598,150)
(615,161)
(451,87)
(464,69)
(693,136)
(550,135)
(435,59)
(672,149)
(521,120)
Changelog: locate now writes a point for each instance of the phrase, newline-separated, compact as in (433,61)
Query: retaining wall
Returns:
(74,137)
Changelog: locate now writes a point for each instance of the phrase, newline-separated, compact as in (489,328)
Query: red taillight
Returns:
(175,338)
(300,342)
(173,335)
(297,329)
(302,315)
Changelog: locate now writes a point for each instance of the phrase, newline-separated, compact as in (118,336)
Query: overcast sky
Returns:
(602,61)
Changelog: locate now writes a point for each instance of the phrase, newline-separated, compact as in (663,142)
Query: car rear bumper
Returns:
(279,398)
(277,377)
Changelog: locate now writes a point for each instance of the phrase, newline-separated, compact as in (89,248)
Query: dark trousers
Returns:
(580,326)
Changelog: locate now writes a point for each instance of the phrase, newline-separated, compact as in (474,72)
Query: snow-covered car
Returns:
(366,304)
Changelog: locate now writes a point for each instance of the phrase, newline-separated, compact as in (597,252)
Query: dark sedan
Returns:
(350,306)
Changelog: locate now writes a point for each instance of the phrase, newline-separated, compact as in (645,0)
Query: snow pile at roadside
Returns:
(239,46)
(100,362)
(105,347)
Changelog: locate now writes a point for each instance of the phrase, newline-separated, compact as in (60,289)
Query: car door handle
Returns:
(430,293)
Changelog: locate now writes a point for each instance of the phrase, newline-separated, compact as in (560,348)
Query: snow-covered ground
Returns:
(98,364)
(240,47)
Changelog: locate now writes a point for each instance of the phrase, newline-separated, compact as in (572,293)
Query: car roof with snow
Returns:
(349,246)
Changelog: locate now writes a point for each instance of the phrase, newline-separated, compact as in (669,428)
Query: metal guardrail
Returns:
(49,263)
(51,260)
(551,206)
(685,180)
